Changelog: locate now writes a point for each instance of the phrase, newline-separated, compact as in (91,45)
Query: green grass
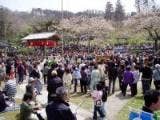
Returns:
(136,102)
(85,101)
(77,99)
(11,115)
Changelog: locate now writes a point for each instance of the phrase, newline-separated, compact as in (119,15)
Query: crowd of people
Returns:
(75,72)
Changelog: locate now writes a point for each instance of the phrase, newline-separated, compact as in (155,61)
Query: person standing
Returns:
(60,71)
(59,109)
(146,77)
(67,78)
(52,85)
(95,78)
(21,72)
(112,75)
(2,72)
(83,80)
(156,76)
(98,103)
(53,67)
(35,74)
(76,77)
(120,74)
(136,76)
(127,80)
(45,72)
(101,67)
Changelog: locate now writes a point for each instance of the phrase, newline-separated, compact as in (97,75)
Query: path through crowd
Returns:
(114,104)
(82,114)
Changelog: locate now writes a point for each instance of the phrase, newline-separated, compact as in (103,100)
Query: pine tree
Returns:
(119,14)
(108,11)
(138,5)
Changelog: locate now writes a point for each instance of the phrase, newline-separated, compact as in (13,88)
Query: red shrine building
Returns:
(48,39)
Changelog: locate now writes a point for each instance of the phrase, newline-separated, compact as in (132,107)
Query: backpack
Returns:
(105,94)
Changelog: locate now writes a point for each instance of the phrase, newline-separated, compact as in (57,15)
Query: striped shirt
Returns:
(10,88)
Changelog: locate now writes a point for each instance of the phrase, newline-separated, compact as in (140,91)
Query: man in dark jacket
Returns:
(60,71)
(53,67)
(83,80)
(112,75)
(52,85)
(59,109)
(146,77)
(21,72)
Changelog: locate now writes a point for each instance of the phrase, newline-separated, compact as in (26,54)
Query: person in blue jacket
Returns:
(151,104)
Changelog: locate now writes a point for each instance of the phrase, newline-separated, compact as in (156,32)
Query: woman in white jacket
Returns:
(67,78)
(136,75)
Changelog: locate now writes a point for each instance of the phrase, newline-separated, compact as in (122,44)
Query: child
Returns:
(98,103)
(105,94)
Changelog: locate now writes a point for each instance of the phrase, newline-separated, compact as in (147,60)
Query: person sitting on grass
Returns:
(10,89)
(30,88)
(26,108)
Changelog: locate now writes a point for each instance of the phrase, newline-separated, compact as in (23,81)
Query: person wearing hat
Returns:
(53,67)
(59,109)
(30,88)
(156,76)
(53,84)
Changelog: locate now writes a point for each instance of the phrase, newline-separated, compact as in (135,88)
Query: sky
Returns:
(70,5)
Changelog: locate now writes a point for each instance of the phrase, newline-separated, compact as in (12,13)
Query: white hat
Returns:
(54,72)
(157,65)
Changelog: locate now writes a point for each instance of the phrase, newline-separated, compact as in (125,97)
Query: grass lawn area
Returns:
(11,115)
(78,98)
(85,101)
(136,102)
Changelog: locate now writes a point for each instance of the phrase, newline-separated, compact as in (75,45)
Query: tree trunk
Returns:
(156,45)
